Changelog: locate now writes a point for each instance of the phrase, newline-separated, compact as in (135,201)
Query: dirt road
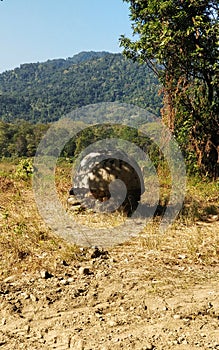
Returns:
(135,296)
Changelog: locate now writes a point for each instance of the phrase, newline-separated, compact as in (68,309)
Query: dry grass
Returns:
(198,243)
(99,220)
(27,244)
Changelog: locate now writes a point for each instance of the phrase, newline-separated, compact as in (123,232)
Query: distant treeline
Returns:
(22,140)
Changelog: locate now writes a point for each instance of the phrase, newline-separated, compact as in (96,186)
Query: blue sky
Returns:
(37,30)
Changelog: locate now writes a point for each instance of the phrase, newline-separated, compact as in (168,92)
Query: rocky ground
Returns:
(133,296)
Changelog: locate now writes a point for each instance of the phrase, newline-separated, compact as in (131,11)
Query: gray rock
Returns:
(107,181)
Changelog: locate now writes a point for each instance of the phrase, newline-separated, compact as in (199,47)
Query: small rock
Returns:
(174,342)
(177,317)
(184,342)
(181,339)
(33,298)
(84,271)
(10,279)
(210,305)
(64,263)
(165,308)
(212,218)
(111,323)
(148,346)
(70,279)
(25,295)
(182,256)
(79,345)
(45,274)
(76,208)
(64,282)
(203,335)
(73,201)
(3,321)
(97,253)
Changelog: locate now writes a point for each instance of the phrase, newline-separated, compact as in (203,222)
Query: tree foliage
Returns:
(22,139)
(44,92)
(179,40)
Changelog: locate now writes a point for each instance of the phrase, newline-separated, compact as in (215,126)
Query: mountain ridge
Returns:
(43,92)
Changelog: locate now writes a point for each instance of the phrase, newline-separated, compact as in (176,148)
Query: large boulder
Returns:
(109,181)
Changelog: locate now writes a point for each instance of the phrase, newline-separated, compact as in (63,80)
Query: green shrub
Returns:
(24,169)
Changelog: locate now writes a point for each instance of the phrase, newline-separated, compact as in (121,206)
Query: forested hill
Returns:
(44,92)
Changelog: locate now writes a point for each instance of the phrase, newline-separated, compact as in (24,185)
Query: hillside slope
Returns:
(44,92)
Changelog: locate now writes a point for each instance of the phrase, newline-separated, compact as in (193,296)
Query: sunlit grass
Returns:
(27,244)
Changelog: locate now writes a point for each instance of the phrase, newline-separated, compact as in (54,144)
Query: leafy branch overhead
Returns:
(179,40)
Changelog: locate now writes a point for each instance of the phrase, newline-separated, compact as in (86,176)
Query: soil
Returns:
(129,297)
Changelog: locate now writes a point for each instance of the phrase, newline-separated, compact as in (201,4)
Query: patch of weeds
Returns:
(20,228)
(190,211)
(194,242)
(24,169)
(202,199)
(152,243)
(5,215)
(73,252)
(43,236)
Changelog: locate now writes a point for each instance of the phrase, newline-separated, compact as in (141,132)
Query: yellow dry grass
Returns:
(27,244)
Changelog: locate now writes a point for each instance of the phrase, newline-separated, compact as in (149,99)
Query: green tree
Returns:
(179,40)
(44,92)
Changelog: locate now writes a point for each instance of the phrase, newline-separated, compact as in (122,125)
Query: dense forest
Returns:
(22,139)
(44,92)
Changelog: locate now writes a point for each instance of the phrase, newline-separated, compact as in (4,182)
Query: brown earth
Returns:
(135,296)
(156,291)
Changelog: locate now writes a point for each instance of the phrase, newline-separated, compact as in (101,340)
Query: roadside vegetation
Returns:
(26,243)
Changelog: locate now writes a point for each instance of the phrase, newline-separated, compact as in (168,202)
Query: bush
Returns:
(24,168)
